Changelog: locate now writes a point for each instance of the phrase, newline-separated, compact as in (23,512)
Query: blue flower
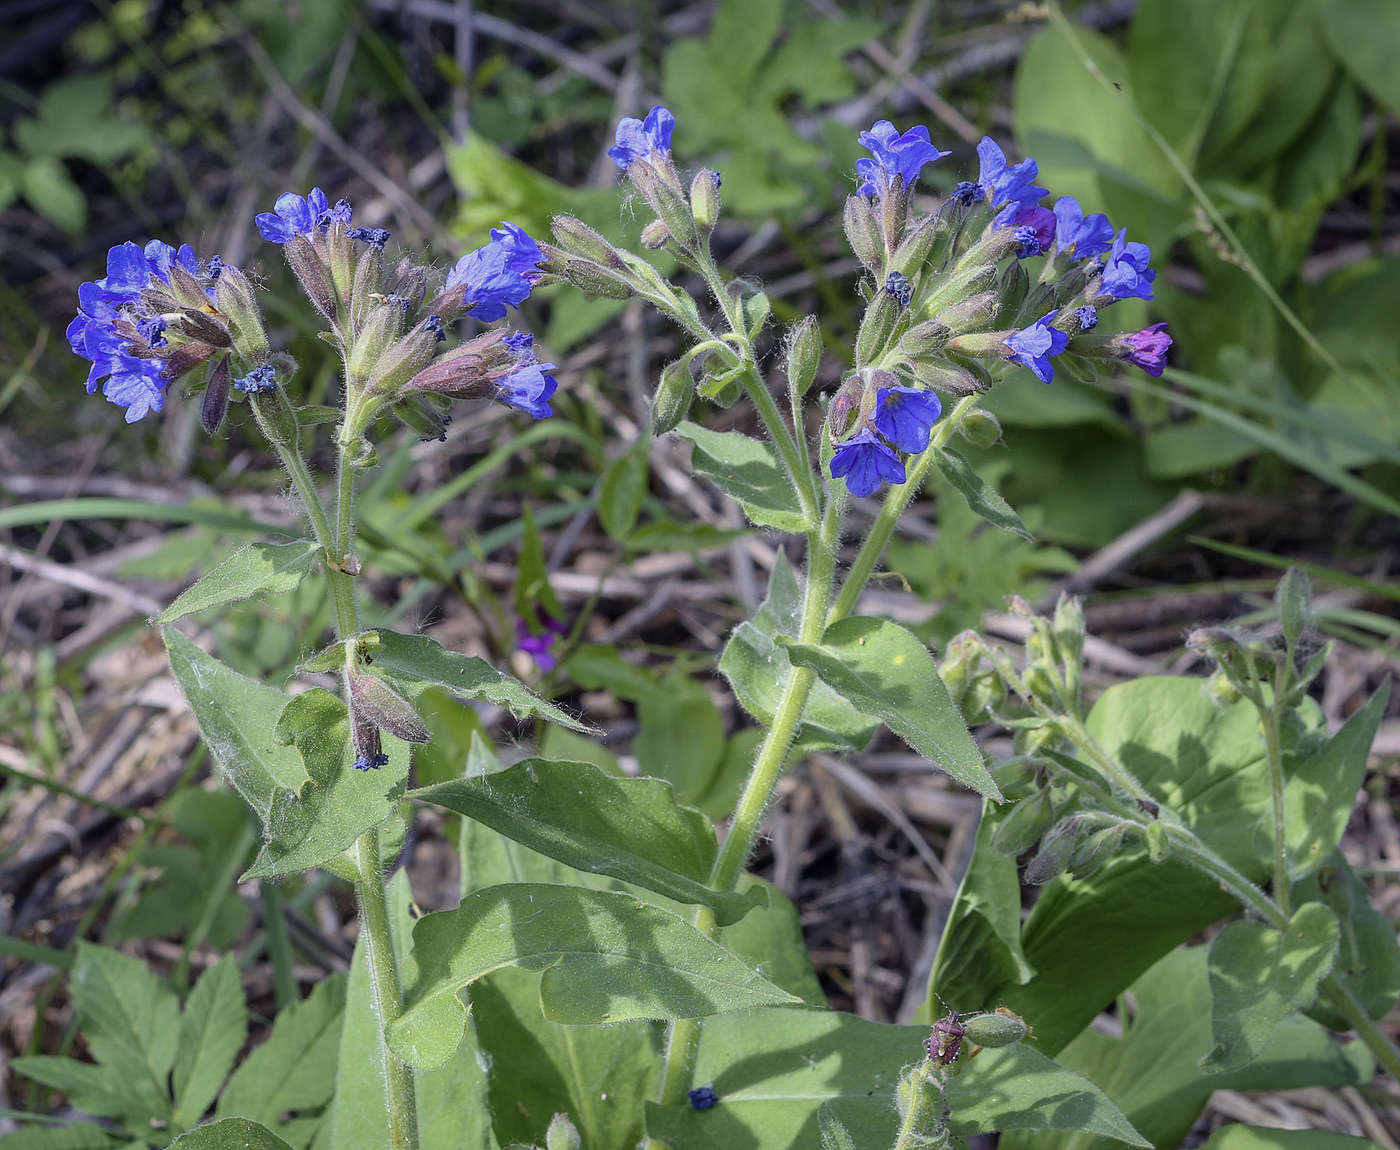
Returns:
(1125,273)
(1011,186)
(375,237)
(528,389)
(1035,229)
(906,415)
(1146,349)
(258,380)
(895,155)
(1033,346)
(370,762)
(161,256)
(293,216)
(1088,317)
(133,383)
(702,1098)
(434,324)
(864,462)
(897,284)
(500,273)
(969,193)
(1078,234)
(339,214)
(642,139)
(522,346)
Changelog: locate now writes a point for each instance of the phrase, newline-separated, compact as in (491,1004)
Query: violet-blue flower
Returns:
(1035,229)
(1088,317)
(528,389)
(1014,185)
(1033,346)
(133,383)
(292,215)
(865,461)
(160,256)
(897,284)
(1147,348)
(522,346)
(895,155)
(259,380)
(702,1097)
(1078,234)
(906,415)
(375,237)
(1125,273)
(340,213)
(641,139)
(539,647)
(499,273)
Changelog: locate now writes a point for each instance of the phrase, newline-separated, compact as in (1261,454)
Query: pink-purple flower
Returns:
(1146,349)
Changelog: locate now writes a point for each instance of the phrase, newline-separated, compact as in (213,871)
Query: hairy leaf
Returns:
(255,569)
(230,1134)
(981,496)
(748,471)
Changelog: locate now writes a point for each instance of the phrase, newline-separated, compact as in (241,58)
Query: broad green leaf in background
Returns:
(681,737)
(586,817)
(51,192)
(231,1134)
(622,489)
(774,1069)
(79,1136)
(1363,34)
(312,825)
(1240,1137)
(981,496)
(1152,1074)
(884,671)
(294,1070)
(249,571)
(237,717)
(606,956)
(1319,796)
(212,1030)
(1259,975)
(748,471)
(418,663)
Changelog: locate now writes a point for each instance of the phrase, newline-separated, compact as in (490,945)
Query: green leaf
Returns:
(1152,1074)
(748,471)
(587,817)
(295,1068)
(50,191)
(212,1031)
(664,535)
(1241,1137)
(79,1136)
(237,717)
(1259,975)
(770,940)
(101,1090)
(981,496)
(835,1136)
(249,571)
(230,1134)
(774,1070)
(622,489)
(886,672)
(311,825)
(681,737)
(418,663)
(1361,33)
(607,957)
(1318,798)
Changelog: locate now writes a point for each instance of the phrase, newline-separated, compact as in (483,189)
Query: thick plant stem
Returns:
(1269,719)
(385,992)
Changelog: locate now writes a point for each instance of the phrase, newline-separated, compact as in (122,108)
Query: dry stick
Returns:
(78,580)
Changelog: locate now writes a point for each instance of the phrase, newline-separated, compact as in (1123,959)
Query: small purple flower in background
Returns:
(1084,235)
(702,1097)
(1035,229)
(293,215)
(1033,346)
(539,647)
(1012,186)
(906,415)
(642,139)
(895,155)
(1125,273)
(498,274)
(1146,349)
(864,461)
(528,389)
(1088,318)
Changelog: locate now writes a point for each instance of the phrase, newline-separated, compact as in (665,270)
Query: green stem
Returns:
(1274,752)
(911,1130)
(1361,1022)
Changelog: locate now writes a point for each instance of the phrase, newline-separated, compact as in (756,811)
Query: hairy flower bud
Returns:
(402,360)
(597,280)
(373,699)
(421,418)
(673,396)
(992,248)
(310,271)
(1020,828)
(216,395)
(974,312)
(953,378)
(467,371)
(980,428)
(804,353)
(340,258)
(995,1029)
(863,232)
(1014,287)
(655,235)
(959,286)
(662,191)
(926,243)
(884,319)
(704,200)
(575,238)
(366,292)
(381,328)
(562,1134)
(233,295)
(1056,850)
(1096,850)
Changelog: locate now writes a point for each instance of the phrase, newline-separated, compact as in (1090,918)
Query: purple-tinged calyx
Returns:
(1033,346)
(894,156)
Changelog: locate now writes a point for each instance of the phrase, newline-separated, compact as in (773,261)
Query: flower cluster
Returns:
(896,418)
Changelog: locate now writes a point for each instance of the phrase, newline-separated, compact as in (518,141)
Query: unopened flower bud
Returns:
(995,1029)
(233,295)
(467,371)
(383,326)
(655,235)
(673,397)
(845,405)
(576,238)
(1014,287)
(562,1134)
(405,358)
(1056,849)
(974,312)
(883,319)
(946,376)
(1023,825)
(804,353)
(992,248)
(980,428)
(367,292)
(274,414)
(340,259)
(186,289)
(373,699)
(666,200)
(1069,628)
(704,200)
(863,232)
(407,283)
(421,418)
(981,344)
(1096,850)
(959,286)
(925,244)
(597,280)
(310,271)
(216,396)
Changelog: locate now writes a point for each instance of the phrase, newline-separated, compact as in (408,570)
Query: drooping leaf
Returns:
(582,815)
(312,825)
(981,496)
(622,489)
(1259,975)
(418,663)
(258,568)
(230,1134)
(212,1030)
(606,957)
(886,672)
(773,1070)
(237,718)
(748,471)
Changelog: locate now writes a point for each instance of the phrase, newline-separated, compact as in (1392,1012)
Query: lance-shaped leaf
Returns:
(237,717)
(591,819)
(311,825)
(418,663)
(774,1070)
(748,471)
(230,1134)
(1259,975)
(1318,798)
(249,571)
(887,673)
(606,957)
(981,496)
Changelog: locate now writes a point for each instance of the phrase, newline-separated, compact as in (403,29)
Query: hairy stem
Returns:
(1269,719)
(916,1114)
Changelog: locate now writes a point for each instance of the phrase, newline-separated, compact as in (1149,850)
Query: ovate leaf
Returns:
(681,737)
(230,1134)
(256,569)
(981,496)
(886,672)
(212,1031)
(589,818)
(1259,975)
(1361,33)
(623,488)
(606,956)
(748,471)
